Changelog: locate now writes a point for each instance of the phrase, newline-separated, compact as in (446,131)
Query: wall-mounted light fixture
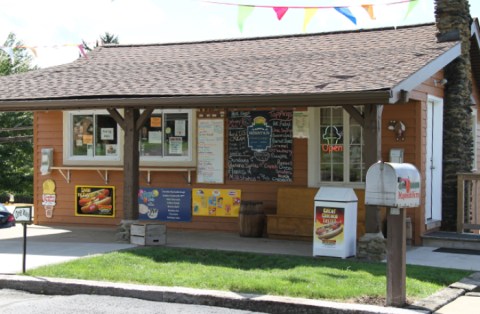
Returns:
(441,82)
(398,127)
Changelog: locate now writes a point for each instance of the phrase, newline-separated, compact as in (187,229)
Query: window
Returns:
(91,137)
(166,138)
(335,147)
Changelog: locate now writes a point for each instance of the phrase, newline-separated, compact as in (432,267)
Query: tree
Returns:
(16,147)
(106,38)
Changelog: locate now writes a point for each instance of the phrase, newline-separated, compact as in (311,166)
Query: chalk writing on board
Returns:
(260,146)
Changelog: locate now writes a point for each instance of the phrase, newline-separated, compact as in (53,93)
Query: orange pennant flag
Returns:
(309,13)
(369,9)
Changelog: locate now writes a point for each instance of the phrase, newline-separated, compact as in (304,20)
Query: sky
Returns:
(56,27)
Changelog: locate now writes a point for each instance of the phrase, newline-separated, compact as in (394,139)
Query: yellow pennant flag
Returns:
(309,13)
(244,12)
(369,9)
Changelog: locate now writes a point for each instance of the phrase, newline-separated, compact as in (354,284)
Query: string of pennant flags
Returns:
(9,50)
(245,10)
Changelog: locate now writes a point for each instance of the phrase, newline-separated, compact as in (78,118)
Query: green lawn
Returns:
(308,277)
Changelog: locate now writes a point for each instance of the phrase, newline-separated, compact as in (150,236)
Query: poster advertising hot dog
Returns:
(329,226)
(97,201)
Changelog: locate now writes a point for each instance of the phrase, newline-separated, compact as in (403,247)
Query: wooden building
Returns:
(263,119)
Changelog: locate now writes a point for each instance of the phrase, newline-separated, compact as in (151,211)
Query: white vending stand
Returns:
(335,222)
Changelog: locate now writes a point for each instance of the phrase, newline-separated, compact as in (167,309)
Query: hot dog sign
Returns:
(95,201)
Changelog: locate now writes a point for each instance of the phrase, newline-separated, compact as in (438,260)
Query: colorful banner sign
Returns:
(97,201)
(165,204)
(216,202)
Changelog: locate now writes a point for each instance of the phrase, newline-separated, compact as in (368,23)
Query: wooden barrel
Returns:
(251,219)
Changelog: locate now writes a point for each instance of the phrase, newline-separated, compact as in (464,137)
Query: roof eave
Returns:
(200,101)
(424,73)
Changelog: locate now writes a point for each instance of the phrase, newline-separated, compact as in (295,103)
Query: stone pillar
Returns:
(453,22)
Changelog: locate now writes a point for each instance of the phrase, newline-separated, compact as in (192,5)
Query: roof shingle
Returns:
(365,60)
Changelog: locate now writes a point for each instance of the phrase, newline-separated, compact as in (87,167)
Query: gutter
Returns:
(199,101)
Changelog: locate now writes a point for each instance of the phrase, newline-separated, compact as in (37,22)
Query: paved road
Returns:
(14,302)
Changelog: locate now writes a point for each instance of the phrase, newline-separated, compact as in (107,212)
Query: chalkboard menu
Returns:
(260,146)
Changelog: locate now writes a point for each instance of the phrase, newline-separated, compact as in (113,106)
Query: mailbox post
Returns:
(395,186)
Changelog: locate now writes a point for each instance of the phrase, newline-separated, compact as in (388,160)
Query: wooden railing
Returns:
(468,197)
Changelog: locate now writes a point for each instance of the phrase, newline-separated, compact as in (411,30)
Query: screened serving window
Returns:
(335,147)
(167,136)
(91,136)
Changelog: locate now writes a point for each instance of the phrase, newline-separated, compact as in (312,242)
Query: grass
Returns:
(307,277)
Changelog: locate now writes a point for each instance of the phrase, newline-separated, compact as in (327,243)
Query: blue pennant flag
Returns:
(347,13)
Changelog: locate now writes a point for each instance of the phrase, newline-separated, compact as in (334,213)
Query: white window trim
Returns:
(68,159)
(187,161)
(314,179)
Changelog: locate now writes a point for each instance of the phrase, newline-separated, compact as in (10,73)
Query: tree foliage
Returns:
(16,172)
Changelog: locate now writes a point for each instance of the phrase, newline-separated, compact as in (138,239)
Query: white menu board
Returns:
(210,159)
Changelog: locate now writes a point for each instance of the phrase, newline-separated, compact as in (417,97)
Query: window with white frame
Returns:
(335,147)
(166,138)
(91,137)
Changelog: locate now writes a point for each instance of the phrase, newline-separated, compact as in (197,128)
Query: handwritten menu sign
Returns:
(210,150)
(260,146)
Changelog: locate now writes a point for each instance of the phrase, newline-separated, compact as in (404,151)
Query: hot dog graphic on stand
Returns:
(94,201)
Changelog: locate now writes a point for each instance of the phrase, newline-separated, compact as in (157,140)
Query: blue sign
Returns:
(259,135)
(165,204)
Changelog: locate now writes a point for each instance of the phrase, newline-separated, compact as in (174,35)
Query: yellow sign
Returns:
(216,202)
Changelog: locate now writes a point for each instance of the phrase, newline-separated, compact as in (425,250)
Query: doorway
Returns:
(434,150)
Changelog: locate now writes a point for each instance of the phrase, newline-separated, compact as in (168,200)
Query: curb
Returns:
(465,286)
(249,302)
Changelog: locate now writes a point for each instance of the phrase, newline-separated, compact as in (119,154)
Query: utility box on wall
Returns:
(392,185)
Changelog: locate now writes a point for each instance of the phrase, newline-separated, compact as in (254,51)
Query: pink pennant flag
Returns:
(369,9)
(280,11)
(82,51)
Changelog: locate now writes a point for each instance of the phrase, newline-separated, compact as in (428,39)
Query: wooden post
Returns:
(131,159)
(373,148)
(396,257)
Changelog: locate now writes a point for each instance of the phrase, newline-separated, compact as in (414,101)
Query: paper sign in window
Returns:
(106,134)
(180,127)
(156,122)
(155,137)
(175,147)
(87,139)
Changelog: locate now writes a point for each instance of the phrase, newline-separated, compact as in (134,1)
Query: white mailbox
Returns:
(392,185)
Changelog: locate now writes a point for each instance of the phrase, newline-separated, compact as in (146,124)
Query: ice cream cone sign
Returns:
(49,197)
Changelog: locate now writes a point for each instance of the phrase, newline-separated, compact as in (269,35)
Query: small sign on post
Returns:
(23,215)
(397,186)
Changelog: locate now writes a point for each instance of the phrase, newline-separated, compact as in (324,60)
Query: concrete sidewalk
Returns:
(48,245)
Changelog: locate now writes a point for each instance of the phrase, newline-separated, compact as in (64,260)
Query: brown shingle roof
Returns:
(325,63)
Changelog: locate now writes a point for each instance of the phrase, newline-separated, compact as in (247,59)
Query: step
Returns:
(453,240)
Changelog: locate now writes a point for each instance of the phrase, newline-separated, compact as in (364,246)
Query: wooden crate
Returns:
(148,234)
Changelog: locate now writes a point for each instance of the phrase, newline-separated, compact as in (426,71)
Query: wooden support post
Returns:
(373,147)
(131,159)
(396,257)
